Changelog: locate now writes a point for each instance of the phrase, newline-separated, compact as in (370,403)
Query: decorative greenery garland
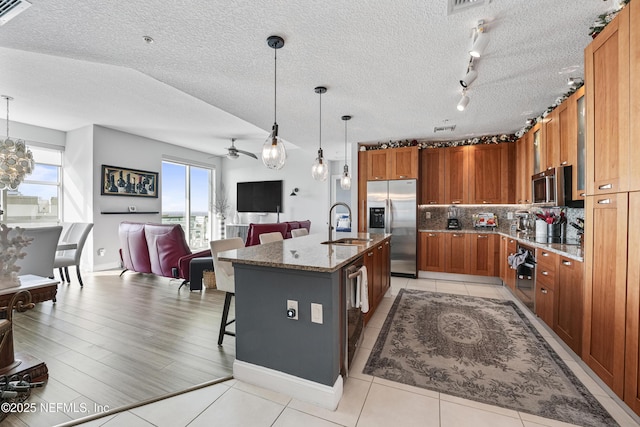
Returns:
(487,139)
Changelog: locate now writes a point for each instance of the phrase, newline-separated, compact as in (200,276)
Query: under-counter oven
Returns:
(352,322)
(525,277)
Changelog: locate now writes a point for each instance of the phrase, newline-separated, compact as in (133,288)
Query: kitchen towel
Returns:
(363,288)
(517,259)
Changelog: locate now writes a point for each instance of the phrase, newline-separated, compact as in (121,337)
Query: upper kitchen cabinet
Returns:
(537,146)
(432,176)
(393,163)
(362,191)
(550,143)
(378,165)
(607,81)
(456,181)
(524,168)
(404,163)
(579,170)
(490,173)
(634,94)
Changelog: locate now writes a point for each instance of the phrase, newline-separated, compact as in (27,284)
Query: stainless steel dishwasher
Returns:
(525,277)
(352,318)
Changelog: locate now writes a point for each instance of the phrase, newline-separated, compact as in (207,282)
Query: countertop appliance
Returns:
(554,186)
(392,208)
(453,221)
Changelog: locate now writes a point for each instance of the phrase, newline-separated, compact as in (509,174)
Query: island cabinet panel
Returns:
(378,266)
(632,355)
(607,82)
(483,253)
(432,252)
(378,165)
(404,163)
(456,177)
(457,256)
(603,338)
(432,176)
(362,191)
(568,304)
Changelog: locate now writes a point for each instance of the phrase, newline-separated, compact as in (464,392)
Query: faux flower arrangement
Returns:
(552,217)
(10,252)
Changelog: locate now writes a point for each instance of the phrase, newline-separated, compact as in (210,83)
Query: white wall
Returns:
(312,201)
(33,133)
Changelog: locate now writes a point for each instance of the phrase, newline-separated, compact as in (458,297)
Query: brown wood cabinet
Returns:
(507,274)
(457,257)
(537,138)
(432,176)
(489,173)
(483,252)
(524,168)
(603,338)
(404,163)
(456,182)
(607,81)
(378,165)
(377,262)
(545,285)
(551,141)
(362,191)
(568,303)
(632,347)
(432,251)
(578,157)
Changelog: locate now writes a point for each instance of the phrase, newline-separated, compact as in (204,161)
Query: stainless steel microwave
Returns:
(553,187)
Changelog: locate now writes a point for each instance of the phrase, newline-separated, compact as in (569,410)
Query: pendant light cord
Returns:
(345,142)
(275,82)
(7,118)
(320,145)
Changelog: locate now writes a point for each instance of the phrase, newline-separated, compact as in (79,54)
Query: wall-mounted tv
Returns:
(260,196)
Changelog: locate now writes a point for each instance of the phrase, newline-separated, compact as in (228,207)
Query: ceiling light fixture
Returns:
(464,101)
(274,154)
(480,40)
(470,76)
(345,181)
(320,169)
(16,159)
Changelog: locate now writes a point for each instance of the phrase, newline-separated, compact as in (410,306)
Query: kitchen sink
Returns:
(347,241)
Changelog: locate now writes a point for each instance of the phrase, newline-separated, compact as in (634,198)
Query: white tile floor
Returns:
(367,401)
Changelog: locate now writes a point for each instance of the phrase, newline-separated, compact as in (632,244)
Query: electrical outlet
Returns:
(427,215)
(316,313)
(509,215)
(292,309)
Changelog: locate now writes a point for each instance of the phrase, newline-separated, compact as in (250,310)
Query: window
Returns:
(37,199)
(186,200)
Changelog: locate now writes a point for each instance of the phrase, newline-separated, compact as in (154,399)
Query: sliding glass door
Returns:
(187,200)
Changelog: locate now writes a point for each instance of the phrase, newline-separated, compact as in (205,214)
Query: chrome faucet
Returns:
(331,221)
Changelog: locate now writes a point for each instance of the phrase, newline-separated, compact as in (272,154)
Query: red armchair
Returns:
(156,248)
(255,230)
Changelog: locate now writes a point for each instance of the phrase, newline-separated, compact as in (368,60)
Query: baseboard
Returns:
(308,391)
(490,280)
(106,266)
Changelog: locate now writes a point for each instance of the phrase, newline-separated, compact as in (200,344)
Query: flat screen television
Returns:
(260,196)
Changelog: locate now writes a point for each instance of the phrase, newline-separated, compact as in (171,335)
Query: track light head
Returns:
(464,101)
(469,78)
(575,81)
(480,41)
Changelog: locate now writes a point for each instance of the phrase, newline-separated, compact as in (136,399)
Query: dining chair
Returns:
(75,233)
(276,236)
(299,232)
(225,279)
(41,252)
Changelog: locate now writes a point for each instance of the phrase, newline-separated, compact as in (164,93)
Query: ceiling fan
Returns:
(234,152)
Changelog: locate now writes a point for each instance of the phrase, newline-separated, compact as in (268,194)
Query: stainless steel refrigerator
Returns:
(392,208)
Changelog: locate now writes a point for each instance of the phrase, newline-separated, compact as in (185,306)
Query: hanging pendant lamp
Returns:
(320,169)
(16,159)
(274,154)
(345,181)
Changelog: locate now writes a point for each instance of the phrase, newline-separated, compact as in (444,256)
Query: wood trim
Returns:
(632,347)
(634,93)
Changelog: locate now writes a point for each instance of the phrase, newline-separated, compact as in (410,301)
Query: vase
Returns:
(236,218)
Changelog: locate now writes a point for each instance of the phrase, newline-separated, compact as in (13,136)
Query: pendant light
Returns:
(16,159)
(273,151)
(320,169)
(345,181)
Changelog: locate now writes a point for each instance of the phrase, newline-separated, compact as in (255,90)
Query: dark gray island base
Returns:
(303,357)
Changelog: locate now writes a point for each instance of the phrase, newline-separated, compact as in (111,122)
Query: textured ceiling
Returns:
(208,77)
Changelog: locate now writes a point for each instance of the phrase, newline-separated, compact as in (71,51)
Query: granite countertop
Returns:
(305,253)
(575,252)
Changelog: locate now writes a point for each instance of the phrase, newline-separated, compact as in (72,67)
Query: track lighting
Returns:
(480,41)
(464,101)
(470,77)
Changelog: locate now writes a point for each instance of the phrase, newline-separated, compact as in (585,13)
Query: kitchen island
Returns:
(300,357)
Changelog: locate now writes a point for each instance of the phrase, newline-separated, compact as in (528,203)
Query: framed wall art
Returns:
(118,181)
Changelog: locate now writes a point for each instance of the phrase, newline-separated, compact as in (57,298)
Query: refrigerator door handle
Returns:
(390,216)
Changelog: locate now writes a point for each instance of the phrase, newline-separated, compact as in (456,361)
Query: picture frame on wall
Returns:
(119,181)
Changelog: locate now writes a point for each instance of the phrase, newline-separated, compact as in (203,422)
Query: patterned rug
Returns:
(480,349)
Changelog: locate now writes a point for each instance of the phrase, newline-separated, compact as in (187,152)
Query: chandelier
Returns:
(16,159)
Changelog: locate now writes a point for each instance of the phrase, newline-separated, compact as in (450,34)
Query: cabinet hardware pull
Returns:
(403,176)
(549,168)
(485,202)
(564,163)
(604,201)
(545,273)
(380,247)
(370,254)
(511,241)
(605,187)
(566,262)
(545,253)
(583,194)
(432,202)
(455,201)
(527,201)
(432,235)
(386,243)
(482,236)
(457,235)
(378,177)
(543,290)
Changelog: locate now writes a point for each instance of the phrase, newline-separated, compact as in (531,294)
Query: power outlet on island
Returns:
(292,309)
(316,313)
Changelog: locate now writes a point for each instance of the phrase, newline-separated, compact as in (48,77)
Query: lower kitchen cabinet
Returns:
(568,303)
(632,350)
(483,252)
(508,246)
(378,268)
(456,254)
(432,252)
(545,286)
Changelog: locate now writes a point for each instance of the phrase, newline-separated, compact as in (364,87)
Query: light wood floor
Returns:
(118,341)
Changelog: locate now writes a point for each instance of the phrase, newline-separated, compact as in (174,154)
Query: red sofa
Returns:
(255,230)
(156,248)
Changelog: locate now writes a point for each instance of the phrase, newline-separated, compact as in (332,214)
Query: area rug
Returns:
(480,349)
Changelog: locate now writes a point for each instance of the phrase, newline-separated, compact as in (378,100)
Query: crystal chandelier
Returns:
(16,159)
(320,169)
(274,154)
(345,181)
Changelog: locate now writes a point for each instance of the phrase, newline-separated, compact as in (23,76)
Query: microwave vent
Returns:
(9,9)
